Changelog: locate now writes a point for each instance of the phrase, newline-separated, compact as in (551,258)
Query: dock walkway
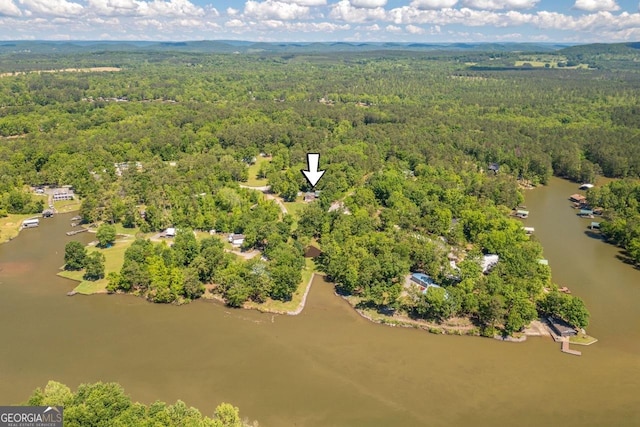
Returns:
(74,232)
(565,349)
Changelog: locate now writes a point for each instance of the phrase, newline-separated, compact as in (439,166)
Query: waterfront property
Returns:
(578,198)
(543,261)
(528,230)
(521,213)
(594,225)
(586,213)
(423,281)
(586,186)
(30,223)
(561,328)
(62,193)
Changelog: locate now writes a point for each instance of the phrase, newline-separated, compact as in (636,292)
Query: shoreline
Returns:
(433,328)
(537,328)
(295,312)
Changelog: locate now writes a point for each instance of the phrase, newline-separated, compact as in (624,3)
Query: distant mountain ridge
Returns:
(240,46)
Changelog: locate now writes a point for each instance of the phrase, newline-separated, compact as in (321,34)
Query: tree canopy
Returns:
(106,404)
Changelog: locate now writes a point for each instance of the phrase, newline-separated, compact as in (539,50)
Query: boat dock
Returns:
(74,232)
(565,349)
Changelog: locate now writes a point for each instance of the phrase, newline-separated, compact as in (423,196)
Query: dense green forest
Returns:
(620,201)
(106,404)
(406,139)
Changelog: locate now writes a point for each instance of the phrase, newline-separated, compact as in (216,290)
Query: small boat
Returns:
(564,290)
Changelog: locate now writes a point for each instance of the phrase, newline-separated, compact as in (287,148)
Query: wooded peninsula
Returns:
(187,164)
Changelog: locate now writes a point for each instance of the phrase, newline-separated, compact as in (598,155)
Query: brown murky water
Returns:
(327,366)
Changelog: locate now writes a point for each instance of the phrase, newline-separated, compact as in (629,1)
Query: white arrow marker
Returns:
(313,175)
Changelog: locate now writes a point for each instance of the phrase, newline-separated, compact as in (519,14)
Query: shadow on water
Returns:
(623,256)
(594,235)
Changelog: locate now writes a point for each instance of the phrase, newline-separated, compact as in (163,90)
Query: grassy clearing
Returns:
(66,206)
(295,208)
(275,306)
(128,231)
(253,181)
(552,64)
(114,258)
(10,226)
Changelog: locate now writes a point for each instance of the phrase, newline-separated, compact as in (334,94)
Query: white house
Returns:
(170,232)
(236,239)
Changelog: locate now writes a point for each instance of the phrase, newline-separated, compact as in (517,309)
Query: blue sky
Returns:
(577,21)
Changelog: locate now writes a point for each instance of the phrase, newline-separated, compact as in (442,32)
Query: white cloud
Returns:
(269,26)
(306,2)
(433,4)
(176,8)
(234,23)
(368,4)
(345,11)
(114,7)
(414,29)
(166,8)
(374,27)
(393,29)
(500,4)
(596,5)
(232,12)
(271,9)
(53,7)
(9,8)
(307,27)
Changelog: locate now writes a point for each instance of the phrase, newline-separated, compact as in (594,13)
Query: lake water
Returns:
(328,366)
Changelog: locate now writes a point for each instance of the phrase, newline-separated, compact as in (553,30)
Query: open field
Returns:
(10,226)
(552,64)
(253,181)
(114,258)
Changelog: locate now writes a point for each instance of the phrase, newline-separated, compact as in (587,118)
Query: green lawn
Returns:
(253,181)
(10,225)
(295,208)
(65,206)
(275,306)
(123,230)
(114,258)
(582,340)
